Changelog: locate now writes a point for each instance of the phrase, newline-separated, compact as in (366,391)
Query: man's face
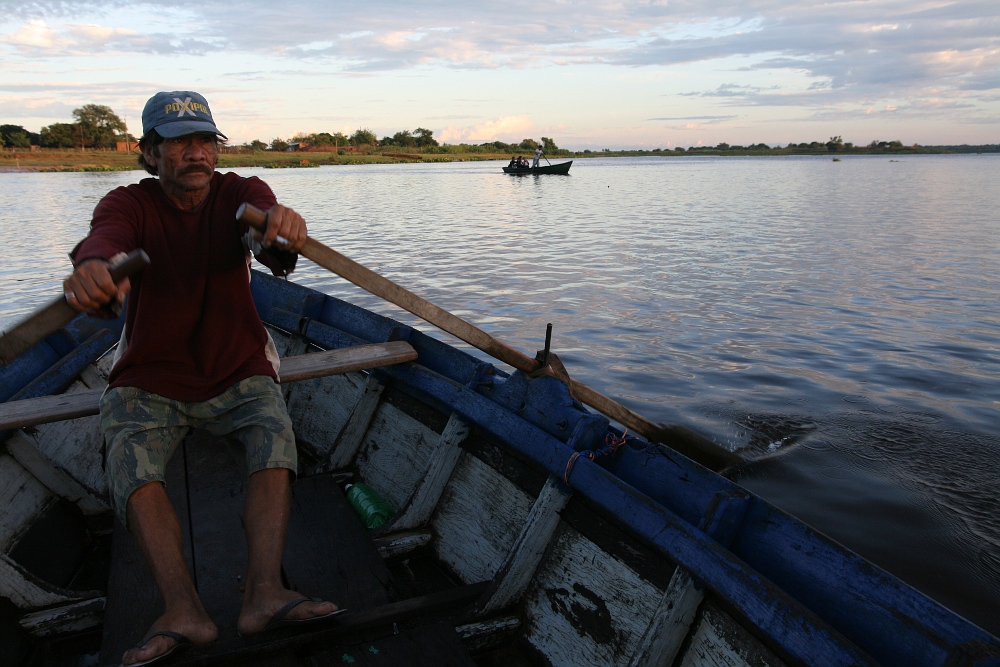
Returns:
(185,163)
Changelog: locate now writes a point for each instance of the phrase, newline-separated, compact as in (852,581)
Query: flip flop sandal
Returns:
(279,620)
(182,644)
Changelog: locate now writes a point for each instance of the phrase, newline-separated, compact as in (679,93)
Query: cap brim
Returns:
(182,127)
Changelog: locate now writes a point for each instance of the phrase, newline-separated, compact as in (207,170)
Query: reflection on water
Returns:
(842,313)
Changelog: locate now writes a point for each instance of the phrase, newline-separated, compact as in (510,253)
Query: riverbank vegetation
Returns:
(98,140)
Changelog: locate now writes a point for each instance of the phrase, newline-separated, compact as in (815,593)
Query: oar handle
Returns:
(129,265)
(253,216)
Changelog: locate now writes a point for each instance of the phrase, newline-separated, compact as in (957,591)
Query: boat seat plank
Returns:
(45,409)
(345,360)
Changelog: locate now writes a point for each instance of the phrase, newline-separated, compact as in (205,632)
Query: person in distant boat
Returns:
(194,354)
(513,163)
(538,156)
(522,162)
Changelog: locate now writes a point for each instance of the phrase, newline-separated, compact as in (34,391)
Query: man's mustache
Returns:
(196,168)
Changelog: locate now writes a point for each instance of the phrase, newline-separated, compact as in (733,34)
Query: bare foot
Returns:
(197,627)
(261,605)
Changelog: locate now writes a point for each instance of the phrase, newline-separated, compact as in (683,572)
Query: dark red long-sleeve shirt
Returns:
(191,324)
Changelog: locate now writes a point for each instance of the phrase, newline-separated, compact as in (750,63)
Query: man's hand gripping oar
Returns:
(87,290)
(684,440)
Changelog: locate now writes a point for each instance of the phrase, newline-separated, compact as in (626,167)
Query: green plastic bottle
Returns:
(368,505)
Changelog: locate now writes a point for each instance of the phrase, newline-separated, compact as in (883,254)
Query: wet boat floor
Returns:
(327,555)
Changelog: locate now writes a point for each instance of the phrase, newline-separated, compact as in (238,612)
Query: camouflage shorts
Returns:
(142,430)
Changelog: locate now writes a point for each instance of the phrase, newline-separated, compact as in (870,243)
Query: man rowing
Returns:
(193,354)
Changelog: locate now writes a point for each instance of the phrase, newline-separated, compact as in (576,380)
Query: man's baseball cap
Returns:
(178,113)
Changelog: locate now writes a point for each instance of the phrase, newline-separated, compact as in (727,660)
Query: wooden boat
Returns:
(527,529)
(561,168)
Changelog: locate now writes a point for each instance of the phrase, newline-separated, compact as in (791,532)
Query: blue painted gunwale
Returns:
(820,603)
(53,363)
(60,355)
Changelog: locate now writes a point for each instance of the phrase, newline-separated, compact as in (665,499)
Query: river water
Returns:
(838,319)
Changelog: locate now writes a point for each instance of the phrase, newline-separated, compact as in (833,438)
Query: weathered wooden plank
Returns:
(75,447)
(395,454)
(32,411)
(478,519)
(26,591)
(675,614)
(23,499)
(586,607)
(417,510)
(718,641)
(93,376)
(320,408)
(670,622)
(353,432)
(488,633)
(345,360)
(395,545)
(26,450)
(515,574)
(67,619)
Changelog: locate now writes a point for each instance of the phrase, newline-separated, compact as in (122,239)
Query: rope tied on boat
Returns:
(611,444)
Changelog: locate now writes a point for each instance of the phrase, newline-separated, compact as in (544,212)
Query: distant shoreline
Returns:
(56,160)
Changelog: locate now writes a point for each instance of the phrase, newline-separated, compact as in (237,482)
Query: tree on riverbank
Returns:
(15,136)
(363,137)
(59,135)
(99,126)
(419,138)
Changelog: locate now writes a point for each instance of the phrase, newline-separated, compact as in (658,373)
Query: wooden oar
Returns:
(58,313)
(684,440)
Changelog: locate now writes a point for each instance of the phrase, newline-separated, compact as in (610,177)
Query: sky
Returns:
(588,74)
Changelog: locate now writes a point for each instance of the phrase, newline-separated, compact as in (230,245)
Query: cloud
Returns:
(504,128)
(34,34)
(828,60)
(712,119)
(848,45)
